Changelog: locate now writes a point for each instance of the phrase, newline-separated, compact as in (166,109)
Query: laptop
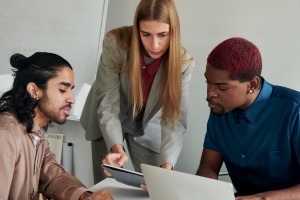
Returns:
(169,184)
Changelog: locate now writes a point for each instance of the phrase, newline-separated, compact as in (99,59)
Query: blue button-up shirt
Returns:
(260,145)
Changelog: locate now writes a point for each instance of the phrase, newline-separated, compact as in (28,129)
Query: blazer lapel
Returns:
(154,95)
(125,84)
(125,88)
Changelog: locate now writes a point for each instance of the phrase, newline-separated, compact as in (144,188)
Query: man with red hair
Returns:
(254,127)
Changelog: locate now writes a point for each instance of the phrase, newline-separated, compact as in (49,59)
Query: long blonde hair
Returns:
(128,39)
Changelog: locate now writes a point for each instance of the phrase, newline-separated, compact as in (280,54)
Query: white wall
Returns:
(62,27)
(273,25)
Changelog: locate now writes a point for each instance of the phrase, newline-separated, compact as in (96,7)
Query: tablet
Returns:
(125,176)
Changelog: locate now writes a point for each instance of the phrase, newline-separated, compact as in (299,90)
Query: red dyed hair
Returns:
(239,56)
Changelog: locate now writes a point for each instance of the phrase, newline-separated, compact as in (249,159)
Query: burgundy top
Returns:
(148,74)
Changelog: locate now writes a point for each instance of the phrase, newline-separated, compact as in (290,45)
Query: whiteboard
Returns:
(73,29)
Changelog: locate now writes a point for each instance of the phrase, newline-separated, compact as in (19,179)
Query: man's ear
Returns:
(254,83)
(34,91)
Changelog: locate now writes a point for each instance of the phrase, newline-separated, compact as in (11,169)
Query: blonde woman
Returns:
(141,92)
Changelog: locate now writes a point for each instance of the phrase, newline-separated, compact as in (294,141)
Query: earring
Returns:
(250,91)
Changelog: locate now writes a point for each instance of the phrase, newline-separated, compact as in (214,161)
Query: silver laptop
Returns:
(170,184)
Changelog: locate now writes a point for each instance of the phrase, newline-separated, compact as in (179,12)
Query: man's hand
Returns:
(101,195)
(259,196)
(210,164)
(115,159)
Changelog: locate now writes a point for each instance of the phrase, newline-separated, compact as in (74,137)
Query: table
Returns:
(120,191)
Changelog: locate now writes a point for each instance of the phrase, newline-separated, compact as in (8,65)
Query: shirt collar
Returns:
(253,111)
(40,132)
(35,127)
(152,68)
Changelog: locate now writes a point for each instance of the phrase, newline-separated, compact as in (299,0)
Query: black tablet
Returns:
(125,176)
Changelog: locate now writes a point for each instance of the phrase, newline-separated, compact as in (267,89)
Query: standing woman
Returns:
(141,92)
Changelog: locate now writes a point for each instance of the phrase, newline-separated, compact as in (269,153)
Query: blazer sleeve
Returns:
(108,92)
(55,182)
(172,139)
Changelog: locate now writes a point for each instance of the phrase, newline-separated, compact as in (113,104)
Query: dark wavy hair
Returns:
(39,69)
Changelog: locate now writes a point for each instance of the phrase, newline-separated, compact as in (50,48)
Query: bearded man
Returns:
(41,92)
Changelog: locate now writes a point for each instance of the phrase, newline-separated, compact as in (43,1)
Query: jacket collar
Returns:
(155,93)
(40,132)
(153,67)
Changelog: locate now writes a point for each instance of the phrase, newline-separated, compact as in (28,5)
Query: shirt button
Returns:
(144,67)
(243,156)
(145,123)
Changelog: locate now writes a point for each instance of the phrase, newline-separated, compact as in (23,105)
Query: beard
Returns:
(47,107)
(217,113)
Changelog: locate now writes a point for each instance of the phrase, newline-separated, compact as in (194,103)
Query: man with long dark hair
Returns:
(254,126)
(41,92)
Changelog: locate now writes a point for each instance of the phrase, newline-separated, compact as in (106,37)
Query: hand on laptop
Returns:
(115,159)
(258,196)
(167,166)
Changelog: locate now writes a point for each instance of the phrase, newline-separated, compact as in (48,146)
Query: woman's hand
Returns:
(144,187)
(166,166)
(114,159)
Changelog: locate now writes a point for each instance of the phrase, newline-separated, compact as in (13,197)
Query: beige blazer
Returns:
(109,100)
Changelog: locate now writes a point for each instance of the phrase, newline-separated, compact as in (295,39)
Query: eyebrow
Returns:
(217,83)
(158,33)
(67,84)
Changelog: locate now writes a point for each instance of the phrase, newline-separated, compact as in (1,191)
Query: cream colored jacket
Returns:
(25,169)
